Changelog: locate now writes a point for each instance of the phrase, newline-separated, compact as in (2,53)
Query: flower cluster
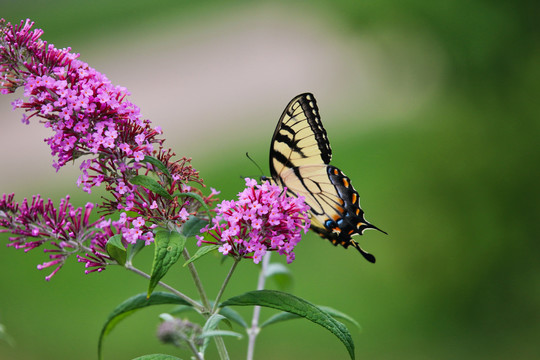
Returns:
(86,112)
(65,229)
(90,116)
(263,219)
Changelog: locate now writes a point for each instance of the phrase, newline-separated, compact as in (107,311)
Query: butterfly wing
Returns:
(299,138)
(299,160)
(334,203)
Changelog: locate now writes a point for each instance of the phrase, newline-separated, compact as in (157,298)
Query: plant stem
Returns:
(194,303)
(225,282)
(197,280)
(194,350)
(254,330)
(220,344)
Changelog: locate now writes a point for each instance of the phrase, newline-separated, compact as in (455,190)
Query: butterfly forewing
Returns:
(299,138)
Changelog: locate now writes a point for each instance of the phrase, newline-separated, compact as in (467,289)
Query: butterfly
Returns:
(300,157)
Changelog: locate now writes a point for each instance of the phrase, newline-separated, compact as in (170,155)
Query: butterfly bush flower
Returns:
(91,117)
(64,229)
(88,115)
(263,219)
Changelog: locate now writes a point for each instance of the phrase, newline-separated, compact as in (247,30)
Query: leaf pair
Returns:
(292,305)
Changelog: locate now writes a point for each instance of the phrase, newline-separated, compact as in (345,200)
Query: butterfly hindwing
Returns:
(299,161)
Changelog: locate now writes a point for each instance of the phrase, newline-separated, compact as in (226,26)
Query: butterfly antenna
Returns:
(254,162)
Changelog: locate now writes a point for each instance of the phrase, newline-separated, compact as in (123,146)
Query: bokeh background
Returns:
(431,108)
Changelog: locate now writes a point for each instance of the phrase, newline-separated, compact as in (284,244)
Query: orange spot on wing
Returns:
(354,198)
(345,182)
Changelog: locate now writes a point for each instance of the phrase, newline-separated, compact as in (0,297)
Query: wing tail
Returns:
(364,253)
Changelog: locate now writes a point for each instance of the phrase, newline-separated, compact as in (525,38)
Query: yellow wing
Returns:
(299,160)
(299,138)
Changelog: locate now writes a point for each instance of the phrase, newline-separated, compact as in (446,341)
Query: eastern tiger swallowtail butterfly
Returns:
(300,156)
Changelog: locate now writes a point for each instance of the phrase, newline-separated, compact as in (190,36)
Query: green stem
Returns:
(225,282)
(184,339)
(255,329)
(197,281)
(220,344)
(194,350)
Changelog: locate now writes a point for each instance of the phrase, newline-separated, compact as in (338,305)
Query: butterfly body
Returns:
(300,157)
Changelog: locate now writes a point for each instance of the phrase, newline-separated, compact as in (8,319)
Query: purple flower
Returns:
(87,113)
(89,116)
(263,219)
(65,230)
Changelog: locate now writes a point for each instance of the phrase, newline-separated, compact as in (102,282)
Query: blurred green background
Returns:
(432,110)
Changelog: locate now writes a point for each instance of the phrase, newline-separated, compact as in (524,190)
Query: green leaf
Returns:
(293,304)
(233,316)
(134,249)
(150,184)
(130,306)
(157,357)
(116,249)
(279,317)
(212,333)
(201,252)
(166,317)
(213,322)
(193,226)
(281,275)
(168,248)
(158,164)
(229,313)
(210,325)
(283,316)
(340,315)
